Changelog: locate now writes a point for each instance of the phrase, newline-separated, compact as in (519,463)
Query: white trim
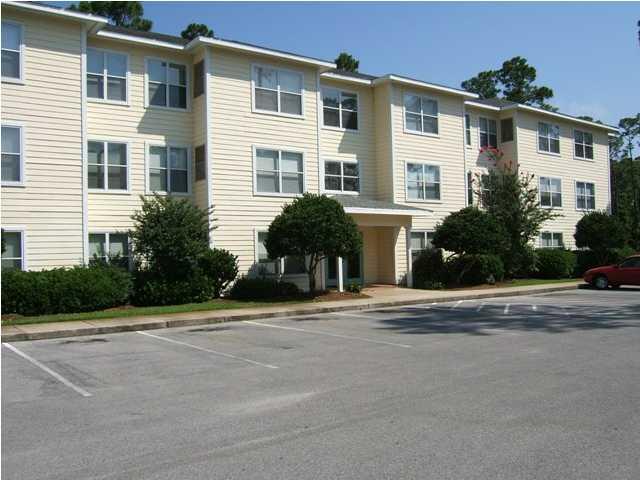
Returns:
(609,206)
(22,163)
(418,83)
(20,80)
(550,207)
(346,78)
(56,11)
(575,191)
(280,150)
(168,146)
(406,182)
(22,230)
(339,109)
(389,211)
(106,140)
(549,152)
(465,147)
(392,139)
(84,146)
(409,259)
(562,116)
(319,119)
(322,182)
(471,103)
(552,233)
(145,41)
(208,142)
(593,149)
(187,74)
(422,115)
(105,75)
(254,109)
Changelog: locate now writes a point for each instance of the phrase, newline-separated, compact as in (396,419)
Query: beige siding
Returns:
(139,126)
(199,138)
(48,106)
(383,142)
(565,167)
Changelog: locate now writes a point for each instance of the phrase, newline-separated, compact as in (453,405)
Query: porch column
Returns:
(409,257)
(339,270)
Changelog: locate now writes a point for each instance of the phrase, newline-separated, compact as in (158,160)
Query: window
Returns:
(279,172)
(484,190)
(341,176)
(107,166)
(11,51)
(548,137)
(506,130)
(201,165)
(467,129)
(633,262)
(469,188)
(169,169)
(488,132)
(550,192)
(420,241)
(198,79)
(583,144)
(340,109)
(290,265)
(167,84)
(423,181)
(420,114)
(107,75)
(277,91)
(551,240)
(13,254)
(109,247)
(585,196)
(11,155)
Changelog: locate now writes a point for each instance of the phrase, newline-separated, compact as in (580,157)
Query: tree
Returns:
(347,62)
(195,30)
(469,231)
(511,199)
(122,14)
(625,197)
(315,227)
(514,81)
(599,232)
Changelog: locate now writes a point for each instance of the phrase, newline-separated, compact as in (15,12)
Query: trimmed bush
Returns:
(476,269)
(220,267)
(429,270)
(64,290)
(586,259)
(520,262)
(555,263)
(249,288)
(470,231)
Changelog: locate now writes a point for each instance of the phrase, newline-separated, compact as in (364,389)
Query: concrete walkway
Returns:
(380,296)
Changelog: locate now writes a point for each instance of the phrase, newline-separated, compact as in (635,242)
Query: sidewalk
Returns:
(379,297)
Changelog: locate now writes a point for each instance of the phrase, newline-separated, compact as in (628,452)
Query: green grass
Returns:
(212,305)
(527,282)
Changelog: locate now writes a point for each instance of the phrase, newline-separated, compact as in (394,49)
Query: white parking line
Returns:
(506,309)
(354,315)
(480,307)
(195,347)
(457,304)
(318,332)
(534,307)
(55,375)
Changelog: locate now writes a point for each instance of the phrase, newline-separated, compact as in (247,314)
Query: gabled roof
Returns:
(420,83)
(149,35)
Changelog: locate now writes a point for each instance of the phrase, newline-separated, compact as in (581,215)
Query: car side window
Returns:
(631,263)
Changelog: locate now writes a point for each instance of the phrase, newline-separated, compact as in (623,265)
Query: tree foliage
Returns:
(625,199)
(315,227)
(347,62)
(195,30)
(470,231)
(122,14)
(599,232)
(514,81)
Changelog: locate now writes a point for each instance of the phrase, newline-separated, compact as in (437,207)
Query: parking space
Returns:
(454,390)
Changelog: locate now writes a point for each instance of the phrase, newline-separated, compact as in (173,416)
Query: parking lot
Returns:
(543,386)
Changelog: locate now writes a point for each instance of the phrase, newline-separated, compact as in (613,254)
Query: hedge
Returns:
(475,269)
(428,269)
(554,263)
(250,288)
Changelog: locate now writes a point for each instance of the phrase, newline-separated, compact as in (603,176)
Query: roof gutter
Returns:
(123,37)
(482,105)
(346,78)
(418,83)
(529,108)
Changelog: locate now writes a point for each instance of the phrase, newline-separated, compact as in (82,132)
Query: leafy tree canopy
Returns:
(122,14)
(347,62)
(195,30)
(514,81)
(600,232)
(316,227)
(470,231)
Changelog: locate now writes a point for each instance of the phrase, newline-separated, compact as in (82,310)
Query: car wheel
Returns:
(601,282)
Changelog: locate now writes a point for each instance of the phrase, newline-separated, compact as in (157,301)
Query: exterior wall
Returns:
(383,142)
(139,126)
(48,106)
(199,137)
(565,167)
(479,163)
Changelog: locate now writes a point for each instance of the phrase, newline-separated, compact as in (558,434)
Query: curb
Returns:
(205,320)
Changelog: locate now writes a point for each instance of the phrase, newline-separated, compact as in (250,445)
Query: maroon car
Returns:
(626,272)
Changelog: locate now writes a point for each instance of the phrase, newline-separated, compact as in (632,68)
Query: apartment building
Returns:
(94,116)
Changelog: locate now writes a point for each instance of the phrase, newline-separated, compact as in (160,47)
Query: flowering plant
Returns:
(493,153)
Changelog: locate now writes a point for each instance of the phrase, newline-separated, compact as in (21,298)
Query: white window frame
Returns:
(279,150)
(339,109)
(341,162)
(553,234)
(147,162)
(467,130)
(21,128)
(584,145)
(107,241)
(480,131)
(406,182)
(279,262)
(127,78)
(254,109)
(147,99)
(23,242)
(585,196)
(548,152)
(20,80)
(540,192)
(427,243)
(105,143)
(436,116)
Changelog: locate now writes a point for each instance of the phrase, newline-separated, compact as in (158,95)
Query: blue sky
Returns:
(587,52)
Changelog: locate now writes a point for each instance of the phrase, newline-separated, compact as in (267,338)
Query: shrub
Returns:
(599,232)
(555,263)
(520,262)
(149,288)
(429,270)
(249,288)
(470,231)
(64,290)
(586,259)
(354,287)
(476,269)
(220,267)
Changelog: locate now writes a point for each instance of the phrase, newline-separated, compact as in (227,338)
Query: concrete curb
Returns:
(78,328)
